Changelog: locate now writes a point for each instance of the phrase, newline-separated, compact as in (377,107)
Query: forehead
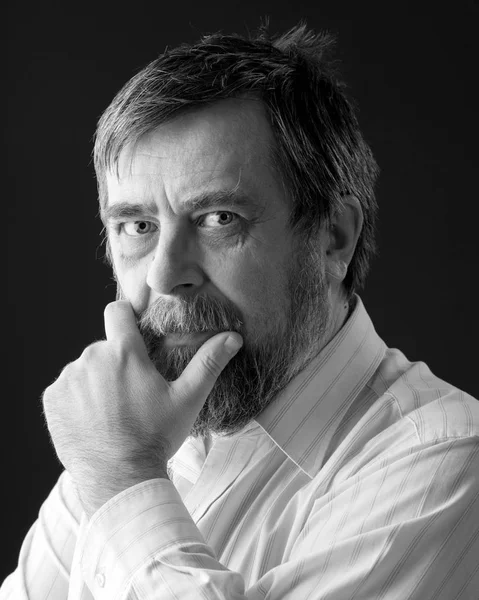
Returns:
(225,146)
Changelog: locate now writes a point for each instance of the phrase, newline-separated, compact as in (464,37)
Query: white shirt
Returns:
(360,481)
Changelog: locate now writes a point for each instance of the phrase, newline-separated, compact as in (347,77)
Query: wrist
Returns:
(95,492)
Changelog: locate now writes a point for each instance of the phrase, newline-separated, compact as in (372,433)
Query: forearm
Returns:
(143,543)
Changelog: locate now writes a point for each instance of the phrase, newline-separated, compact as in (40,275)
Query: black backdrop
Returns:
(411,67)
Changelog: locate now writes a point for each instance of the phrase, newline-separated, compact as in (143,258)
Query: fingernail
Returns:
(232,344)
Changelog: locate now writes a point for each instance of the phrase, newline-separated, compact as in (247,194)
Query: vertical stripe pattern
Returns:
(361,480)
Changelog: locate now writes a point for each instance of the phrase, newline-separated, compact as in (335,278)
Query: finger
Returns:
(120,323)
(199,377)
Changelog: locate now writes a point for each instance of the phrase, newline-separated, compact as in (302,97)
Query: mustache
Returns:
(182,315)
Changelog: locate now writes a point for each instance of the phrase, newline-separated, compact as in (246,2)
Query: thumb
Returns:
(199,377)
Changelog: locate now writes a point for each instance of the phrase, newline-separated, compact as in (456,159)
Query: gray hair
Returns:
(320,154)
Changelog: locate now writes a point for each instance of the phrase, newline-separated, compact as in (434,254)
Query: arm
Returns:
(46,555)
(141,542)
(402,527)
(109,438)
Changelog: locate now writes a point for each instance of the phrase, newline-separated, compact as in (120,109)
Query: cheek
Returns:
(258,289)
(134,286)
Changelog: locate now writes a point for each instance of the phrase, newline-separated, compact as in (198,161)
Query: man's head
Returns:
(253,190)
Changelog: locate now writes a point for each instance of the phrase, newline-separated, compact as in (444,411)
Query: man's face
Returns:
(190,273)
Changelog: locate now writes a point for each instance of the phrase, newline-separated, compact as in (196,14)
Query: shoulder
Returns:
(437,410)
(410,416)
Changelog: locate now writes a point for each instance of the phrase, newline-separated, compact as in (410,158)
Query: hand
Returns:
(114,420)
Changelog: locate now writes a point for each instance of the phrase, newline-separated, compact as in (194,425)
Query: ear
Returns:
(346,226)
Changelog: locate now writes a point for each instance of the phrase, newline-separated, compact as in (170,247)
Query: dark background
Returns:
(411,66)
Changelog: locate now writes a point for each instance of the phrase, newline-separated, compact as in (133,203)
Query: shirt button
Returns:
(100,579)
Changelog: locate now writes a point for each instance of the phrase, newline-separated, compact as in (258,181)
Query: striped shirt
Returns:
(360,481)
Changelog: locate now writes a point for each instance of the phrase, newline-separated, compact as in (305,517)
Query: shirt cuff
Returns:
(129,530)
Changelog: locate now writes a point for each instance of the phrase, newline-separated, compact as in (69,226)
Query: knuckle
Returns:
(91,351)
(46,397)
(211,365)
(49,401)
(115,307)
(109,308)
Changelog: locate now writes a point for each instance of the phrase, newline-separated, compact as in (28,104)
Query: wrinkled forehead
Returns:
(230,138)
(222,152)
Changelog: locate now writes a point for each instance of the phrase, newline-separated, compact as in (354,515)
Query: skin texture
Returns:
(112,417)
(124,407)
(254,278)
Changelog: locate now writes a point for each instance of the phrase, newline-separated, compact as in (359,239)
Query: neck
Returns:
(339,316)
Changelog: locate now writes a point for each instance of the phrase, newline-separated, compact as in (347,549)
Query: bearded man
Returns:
(242,431)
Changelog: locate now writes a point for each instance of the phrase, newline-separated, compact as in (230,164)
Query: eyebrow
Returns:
(230,198)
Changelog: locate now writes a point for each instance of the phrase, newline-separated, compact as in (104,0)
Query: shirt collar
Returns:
(305,415)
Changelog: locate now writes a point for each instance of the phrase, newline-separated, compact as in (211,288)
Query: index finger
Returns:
(120,321)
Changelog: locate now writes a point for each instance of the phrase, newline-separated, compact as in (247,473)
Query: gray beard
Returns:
(264,365)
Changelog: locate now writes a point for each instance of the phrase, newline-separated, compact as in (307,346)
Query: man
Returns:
(237,194)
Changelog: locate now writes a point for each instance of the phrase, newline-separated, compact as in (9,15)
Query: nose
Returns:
(175,267)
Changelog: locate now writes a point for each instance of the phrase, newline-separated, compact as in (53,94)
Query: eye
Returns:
(137,228)
(224,217)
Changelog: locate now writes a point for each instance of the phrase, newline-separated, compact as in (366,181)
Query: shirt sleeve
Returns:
(144,544)
(46,554)
(404,527)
